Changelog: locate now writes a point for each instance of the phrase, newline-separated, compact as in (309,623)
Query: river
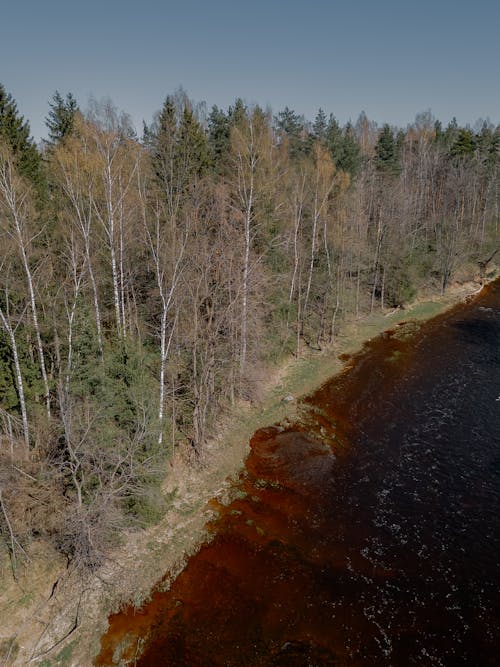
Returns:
(367,533)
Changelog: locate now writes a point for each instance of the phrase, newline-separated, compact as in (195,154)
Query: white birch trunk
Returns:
(83,204)
(311,259)
(4,318)
(246,273)
(157,248)
(110,231)
(15,205)
(122,270)
(297,222)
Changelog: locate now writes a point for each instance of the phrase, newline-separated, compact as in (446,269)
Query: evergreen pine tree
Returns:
(162,140)
(293,127)
(450,135)
(334,140)
(464,144)
(237,113)
(438,133)
(400,140)
(320,126)
(488,146)
(61,117)
(218,137)
(386,151)
(193,153)
(148,134)
(179,145)
(349,159)
(15,132)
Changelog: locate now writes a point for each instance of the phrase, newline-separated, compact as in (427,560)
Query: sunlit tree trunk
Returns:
(76,178)
(16,199)
(166,245)
(246,157)
(10,330)
(323,175)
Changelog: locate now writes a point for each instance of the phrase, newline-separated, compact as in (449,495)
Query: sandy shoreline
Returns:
(63,625)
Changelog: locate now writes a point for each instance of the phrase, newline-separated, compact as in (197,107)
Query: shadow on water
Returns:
(365,534)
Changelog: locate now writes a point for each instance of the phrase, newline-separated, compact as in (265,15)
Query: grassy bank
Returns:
(55,624)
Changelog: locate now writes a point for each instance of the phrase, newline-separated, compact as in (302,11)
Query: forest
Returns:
(146,284)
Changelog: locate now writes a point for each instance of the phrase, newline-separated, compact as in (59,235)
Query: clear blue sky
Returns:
(390,58)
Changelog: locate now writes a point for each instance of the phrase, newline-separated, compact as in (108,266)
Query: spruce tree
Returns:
(15,132)
(334,140)
(487,144)
(61,117)
(237,113)
(180,149)
(438,132)
(218,137)
(320,126)
(349,159)
(192,147)
(386,152)
(162,140)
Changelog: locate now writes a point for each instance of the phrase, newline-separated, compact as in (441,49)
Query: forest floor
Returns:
(54,617)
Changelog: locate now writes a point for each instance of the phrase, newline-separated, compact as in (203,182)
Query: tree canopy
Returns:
(147,286)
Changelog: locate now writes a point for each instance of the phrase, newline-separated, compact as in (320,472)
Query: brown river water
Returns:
(367,533)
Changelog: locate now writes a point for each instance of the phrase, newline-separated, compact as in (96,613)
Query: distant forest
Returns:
(147,283)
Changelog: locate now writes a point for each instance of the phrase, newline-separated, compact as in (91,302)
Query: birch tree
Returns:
(252,149)
(322,186)
(17,220)
(10,329)
(116,157)
(73,168)
(166,245)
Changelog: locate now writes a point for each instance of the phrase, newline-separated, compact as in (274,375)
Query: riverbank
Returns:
(360,532)
(61,623)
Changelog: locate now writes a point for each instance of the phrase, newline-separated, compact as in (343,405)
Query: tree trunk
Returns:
(4,318)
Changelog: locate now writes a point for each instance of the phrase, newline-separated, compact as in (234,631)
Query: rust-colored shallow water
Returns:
(369,532)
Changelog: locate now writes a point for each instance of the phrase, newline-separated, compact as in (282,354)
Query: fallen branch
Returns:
(75,626)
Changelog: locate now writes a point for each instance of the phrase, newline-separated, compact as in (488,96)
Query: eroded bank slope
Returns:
(52,616)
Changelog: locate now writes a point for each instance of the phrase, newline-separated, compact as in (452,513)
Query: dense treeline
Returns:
(146,283)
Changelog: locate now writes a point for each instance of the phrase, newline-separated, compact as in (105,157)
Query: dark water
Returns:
(370,531)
